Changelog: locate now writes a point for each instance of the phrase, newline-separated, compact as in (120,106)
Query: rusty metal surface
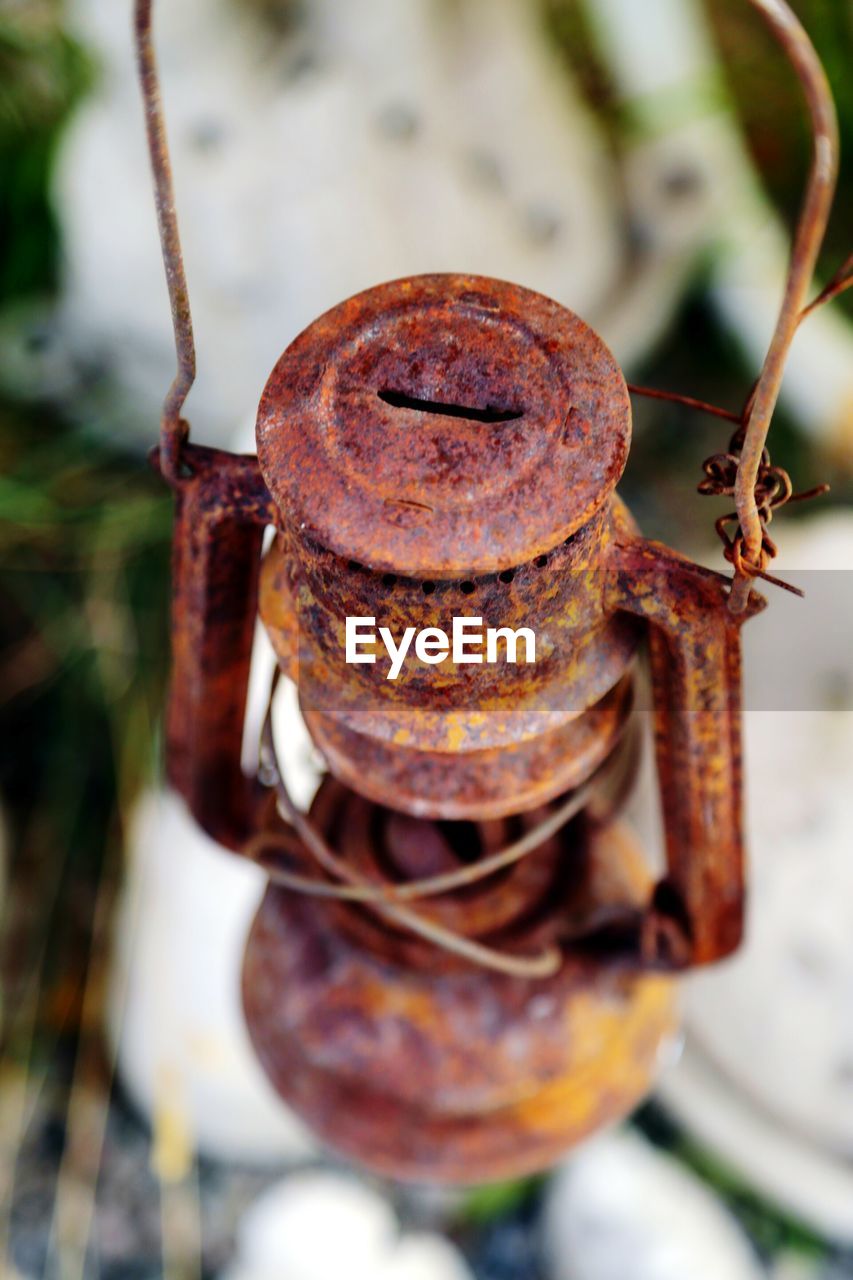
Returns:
(221,509)
(437,446)
(539,901)
(461,1076)
(696,915)
(489,783)
(174,431)
(543,350)
(459,740)
(752,554)
(443,425)
(407,1035)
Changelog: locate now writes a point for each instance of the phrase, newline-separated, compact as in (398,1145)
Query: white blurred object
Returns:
(777,1163)
(619,1208)
(311,164)
(767,1080)
(324,1226)
(796,1266)
(175,1016)
(374,140)
(314,1226)
(690,179)
(424,1257)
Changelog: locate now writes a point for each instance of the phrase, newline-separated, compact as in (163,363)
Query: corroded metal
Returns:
(433,447)
(222,508)
(447,764)
(749,549)
(463,1076)
(458,741)
(696,914)
(484,741)
(512,524)
(536,439)
(174,431)
(751,555)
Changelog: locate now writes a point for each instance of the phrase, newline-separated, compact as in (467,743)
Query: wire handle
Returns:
(174,430)
(750,550)
(541,965)
(808,238)
(745,471)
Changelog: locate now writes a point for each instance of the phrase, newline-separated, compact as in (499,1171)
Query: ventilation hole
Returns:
(507,575)
(540,562)
(400,400)
(388,579)
(467,588)
(427,588)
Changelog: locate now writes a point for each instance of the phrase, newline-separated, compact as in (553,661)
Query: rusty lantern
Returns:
(461,964)
(437,447)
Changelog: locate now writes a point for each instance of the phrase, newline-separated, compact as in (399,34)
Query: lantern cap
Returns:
(443,425)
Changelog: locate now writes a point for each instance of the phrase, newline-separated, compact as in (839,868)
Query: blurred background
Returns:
(643,164)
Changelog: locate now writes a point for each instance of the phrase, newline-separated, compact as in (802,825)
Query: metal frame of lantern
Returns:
(457,969)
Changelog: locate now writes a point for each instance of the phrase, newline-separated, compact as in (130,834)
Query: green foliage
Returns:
(771,105)
(498,1200)
(42,71)
(773,1231)
(764,90)
(42,74)
(84,536)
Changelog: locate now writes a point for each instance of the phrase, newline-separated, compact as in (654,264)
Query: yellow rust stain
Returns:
(614,1059)
(455,734)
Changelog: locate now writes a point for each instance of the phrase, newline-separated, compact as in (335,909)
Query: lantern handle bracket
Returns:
(696,913)
(221,512)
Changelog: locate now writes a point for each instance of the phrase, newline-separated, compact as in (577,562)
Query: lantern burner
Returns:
(517,883)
